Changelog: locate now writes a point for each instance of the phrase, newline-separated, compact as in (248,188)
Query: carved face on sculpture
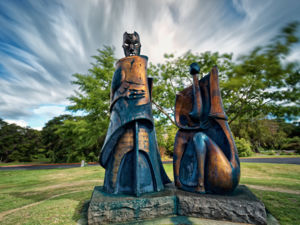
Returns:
(131,44)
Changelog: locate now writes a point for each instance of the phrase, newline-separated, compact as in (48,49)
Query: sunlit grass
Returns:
(258,155)
(271,175)
(57,196)
(285,207)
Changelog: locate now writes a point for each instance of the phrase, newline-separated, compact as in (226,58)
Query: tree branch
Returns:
(164,112)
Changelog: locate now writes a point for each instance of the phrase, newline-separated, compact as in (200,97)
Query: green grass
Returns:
(285,207)
(22,187)
(271,175)
(19,163)
(58,195)
(258,155)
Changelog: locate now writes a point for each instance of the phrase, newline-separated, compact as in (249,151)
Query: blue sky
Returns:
(42,43)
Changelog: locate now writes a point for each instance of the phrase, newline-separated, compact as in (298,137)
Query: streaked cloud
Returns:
(21,123)
(42,43)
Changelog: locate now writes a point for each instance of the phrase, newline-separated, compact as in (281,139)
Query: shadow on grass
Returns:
(81,212)
(181,220)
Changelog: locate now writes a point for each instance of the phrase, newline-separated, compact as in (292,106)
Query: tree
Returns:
(173,76)
(81,146)
(257,84)
(243,147)
(81,137)
(254,87)
(262,83)
(54,144)
(262,133)
(19,144)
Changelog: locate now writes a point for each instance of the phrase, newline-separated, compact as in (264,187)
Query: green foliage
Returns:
(165,138)
(55,145)
(262,83)
(262,133)
(65,139)
(257,84)
(94,87)
(243,146)
(72,139)
(173,76)
(292,144)
(19,144)
(80,146)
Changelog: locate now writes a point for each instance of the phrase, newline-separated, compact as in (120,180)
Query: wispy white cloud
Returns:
(21,123)
(42,43)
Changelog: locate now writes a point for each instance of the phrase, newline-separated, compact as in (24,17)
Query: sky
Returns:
(44,42)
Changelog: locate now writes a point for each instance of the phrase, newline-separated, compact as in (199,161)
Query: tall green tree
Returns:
(56,147)
(85,134)
(258,84)
(263,82)
(93,97)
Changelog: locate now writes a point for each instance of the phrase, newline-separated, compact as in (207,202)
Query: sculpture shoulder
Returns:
(144,57)
(117,79)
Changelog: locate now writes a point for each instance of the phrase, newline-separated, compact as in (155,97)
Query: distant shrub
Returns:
(271,152)
(286,153)
(292,144)
(260,149)
(243,146)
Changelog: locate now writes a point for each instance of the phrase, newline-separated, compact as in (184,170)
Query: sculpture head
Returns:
(131,44)
(194,68)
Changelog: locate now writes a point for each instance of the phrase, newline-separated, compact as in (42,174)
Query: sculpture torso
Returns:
(130,80)
(130,153)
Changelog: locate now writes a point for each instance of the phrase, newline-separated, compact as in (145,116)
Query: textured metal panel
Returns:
(130,154)
(205,155)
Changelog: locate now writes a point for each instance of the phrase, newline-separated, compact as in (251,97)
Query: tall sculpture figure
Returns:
(130,153)
(205,155)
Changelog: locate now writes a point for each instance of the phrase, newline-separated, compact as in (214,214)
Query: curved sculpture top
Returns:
(205,155)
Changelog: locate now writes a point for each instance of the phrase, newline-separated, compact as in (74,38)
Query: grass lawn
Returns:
(57,196)
(20,163)
(258,155)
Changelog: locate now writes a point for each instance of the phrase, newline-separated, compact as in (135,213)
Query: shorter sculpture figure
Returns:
(130,153)
(205,155)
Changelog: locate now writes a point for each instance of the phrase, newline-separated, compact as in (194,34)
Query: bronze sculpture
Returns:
(205,155)
(130,152)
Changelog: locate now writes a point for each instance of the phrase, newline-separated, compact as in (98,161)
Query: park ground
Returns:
(58,196)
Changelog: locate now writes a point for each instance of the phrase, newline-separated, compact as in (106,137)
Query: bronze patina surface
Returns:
(205,155)
(130,153)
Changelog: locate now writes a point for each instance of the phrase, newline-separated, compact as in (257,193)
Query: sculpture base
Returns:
(107,208)
(240,206)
